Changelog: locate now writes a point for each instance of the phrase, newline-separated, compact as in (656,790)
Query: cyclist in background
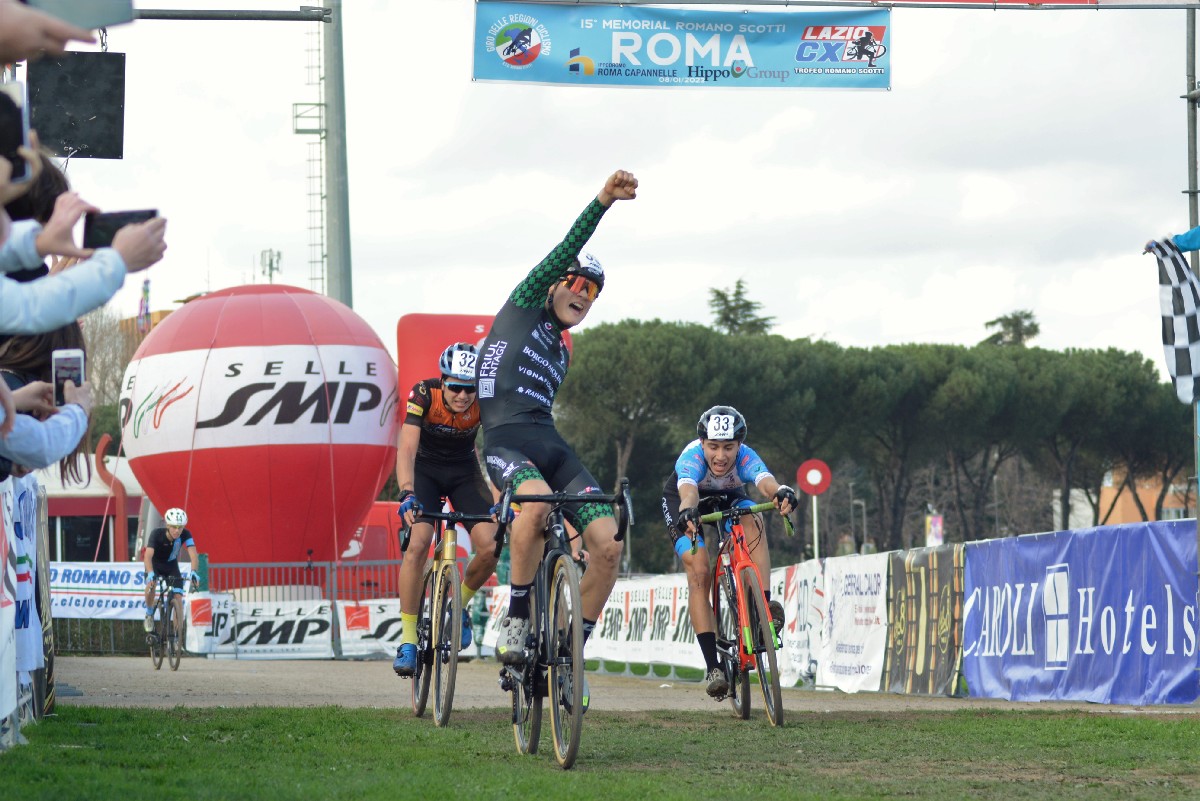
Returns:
(161,557)
(523,363)
(436,459)
(715,468)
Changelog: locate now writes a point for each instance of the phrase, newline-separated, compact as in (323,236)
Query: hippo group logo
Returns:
(518,40)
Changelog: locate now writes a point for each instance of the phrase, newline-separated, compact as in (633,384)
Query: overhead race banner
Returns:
(1106,615)
(642,46)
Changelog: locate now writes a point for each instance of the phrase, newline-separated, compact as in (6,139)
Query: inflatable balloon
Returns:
(269,414)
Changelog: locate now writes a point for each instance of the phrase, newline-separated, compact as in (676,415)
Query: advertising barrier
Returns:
(100,590)
(221,626)
(591,45)
(369,628)
(925,595)
(1105,615)
(801,588)
(855,632)
(8,613)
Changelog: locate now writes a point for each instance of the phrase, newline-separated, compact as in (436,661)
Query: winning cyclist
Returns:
(718,466)
(161,557)
(523,363)
(436,459)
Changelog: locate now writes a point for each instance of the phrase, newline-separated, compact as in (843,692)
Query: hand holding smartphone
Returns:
(14,128)
(67,365)
(99,228)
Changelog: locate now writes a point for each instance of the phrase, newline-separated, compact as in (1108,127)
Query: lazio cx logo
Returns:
(518,40)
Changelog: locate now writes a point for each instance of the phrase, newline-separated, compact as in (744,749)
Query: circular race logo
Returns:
(518,44)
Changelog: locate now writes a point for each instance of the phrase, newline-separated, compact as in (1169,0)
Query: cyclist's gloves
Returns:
(195,581)
(688,515)
(786,493)
(409,502)
(498,514)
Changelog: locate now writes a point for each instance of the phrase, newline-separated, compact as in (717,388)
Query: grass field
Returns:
(337,753)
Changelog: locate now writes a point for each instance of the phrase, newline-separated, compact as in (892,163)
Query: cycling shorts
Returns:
(461,482)
(710,501)
(522,452)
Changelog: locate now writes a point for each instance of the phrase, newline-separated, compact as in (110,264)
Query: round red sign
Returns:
(813,476)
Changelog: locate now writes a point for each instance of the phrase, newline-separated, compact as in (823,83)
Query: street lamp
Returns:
(863,504)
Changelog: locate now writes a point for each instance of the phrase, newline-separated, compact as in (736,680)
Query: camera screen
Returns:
(99,229)
(66,369)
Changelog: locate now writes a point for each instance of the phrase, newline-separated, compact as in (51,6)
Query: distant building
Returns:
(81,519)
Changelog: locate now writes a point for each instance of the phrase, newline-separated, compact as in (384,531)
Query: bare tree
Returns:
(111,344)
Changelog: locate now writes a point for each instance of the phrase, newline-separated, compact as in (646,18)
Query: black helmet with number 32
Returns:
(722,423)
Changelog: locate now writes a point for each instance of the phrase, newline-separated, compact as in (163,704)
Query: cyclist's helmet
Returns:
(722,423)
(588,266)
(175,517)
(458,362)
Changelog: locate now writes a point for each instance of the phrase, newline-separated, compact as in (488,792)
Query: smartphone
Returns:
(99,228)
(14,127)
(89,14)
(67,365)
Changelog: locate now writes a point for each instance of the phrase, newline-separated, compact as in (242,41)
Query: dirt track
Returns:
(129,681)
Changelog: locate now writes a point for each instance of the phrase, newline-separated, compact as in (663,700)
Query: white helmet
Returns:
(175,517)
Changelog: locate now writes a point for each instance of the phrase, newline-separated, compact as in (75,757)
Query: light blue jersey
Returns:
(691,468)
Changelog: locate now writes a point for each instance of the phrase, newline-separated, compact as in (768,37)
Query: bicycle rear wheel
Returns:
(724,602)
(158,642)
(449,636)
(526,707)
(565,647)
(420,679)
(174,633)
(764,646)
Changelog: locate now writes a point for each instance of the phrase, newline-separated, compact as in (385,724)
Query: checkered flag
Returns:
(1179,299)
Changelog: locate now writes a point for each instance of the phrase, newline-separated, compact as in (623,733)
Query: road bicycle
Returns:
(166,640)
(746,639)
(439,621)
(553,659)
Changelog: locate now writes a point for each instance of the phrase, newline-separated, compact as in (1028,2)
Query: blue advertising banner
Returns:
(580,45)
(1106,615)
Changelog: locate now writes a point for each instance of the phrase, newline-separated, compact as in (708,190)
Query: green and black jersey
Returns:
(524,359)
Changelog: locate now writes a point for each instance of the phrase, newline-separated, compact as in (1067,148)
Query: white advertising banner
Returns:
(224,627)
(370,627)
(8,606)
(855,629)
(107,590)
(646,620)
(801,589)
(497,605)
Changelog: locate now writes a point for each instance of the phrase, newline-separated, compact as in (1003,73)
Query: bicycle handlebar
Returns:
(738,511)
(450,517)
(622,499)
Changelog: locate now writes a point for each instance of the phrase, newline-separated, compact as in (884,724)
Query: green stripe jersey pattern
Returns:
(531,293)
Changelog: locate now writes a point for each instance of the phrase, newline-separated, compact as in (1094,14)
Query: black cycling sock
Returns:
(518,600)
(708,647)
(588,627)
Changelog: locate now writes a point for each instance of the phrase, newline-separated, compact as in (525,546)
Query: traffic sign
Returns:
(813,476)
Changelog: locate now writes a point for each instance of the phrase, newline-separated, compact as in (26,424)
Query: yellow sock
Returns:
(467,594)
(408,631)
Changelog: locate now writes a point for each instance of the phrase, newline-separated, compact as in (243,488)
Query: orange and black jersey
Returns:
(445,436)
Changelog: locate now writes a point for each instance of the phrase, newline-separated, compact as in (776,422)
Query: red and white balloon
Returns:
(269,413)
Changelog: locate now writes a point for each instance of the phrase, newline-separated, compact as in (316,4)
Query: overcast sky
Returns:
(1020,161)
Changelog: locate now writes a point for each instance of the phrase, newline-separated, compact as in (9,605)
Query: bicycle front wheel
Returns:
(174,630)
(420,679)
(564,638)
(764,646)
(158,640)
(725,608)
(448,602)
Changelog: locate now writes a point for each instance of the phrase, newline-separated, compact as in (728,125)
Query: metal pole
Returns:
(816,535)
(305,14)
(853,534)
(337,187)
